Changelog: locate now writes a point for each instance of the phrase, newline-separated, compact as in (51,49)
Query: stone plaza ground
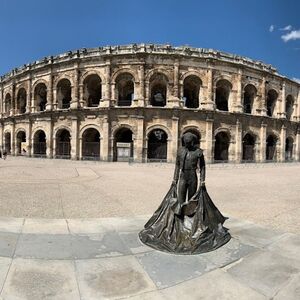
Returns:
(68,230)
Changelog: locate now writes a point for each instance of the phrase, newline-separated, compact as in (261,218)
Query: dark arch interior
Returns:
(221,146)
(158,94)
(92,90)
(21,100)
(271,102)
(7,142)
(21,138)
(91,144)
(40,95)
(39,143)
(125,87)
(8,104)
(121,152)
(248,147)
(157,145)
(249,95)
(289,107)
(191,89)
(64,94)
(222,94)
(289,144)
(63,145)
(271,147)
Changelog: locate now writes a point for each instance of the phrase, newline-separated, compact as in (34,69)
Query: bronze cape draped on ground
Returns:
(192,228)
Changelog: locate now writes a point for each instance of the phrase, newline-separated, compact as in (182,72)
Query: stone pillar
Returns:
(29,96)
(105,101)
(263,107)
(176,79)
(104,143)
(29,139)
(50,93)
(282,110)
(298,107)
(75,88)
(13,139)
(238,142)
(209,147)
(263,139)
(282,143)
(80,147)
(74,138)
(1,137)
(297,148)
(172,98)
(49,139)
(139,140)
(175,135)
(13,109)
(113,94)
(54,147)
(81,95)
(208,102)
(55,102)
(238,107)
(141,92)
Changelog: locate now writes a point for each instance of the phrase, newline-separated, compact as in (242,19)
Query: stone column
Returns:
(1,136)
(238,142)
(32,104)
(209,101)
(13,108)
(297,148)
(75,88)
(282,110)
(175,135)
(263,107)
(80,148)
(263,139)
(141,93)
(28,95)
(13,139)
(238,107)
(29,139)
(55,102)
(50,92)
(172,98)
(105,101)
(209,140)
(282,143)
(298,107)
(104,143)
(54,147)
(138,144)
(82,102)
(74,140)
(49,138)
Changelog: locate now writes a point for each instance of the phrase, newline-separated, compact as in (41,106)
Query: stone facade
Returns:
(109,103)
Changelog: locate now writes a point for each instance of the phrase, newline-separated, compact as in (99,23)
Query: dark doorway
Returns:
(125,89)
(271,102)
(248,147)
(21,138)
(63,145)
(271,148)
(191,90)
(63,94)
(223,89)
(157,145)
(91,144)
(289,149)
(123,145)
(39,144)
(92,87)
(7,142)
(21,101)
(221,147)
(249,96)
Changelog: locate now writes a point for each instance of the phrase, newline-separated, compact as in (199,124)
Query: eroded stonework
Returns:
(135,102)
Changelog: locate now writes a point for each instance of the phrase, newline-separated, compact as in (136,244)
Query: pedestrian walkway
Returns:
(62,259)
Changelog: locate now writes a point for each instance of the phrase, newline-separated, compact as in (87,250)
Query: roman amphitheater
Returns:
(134,102)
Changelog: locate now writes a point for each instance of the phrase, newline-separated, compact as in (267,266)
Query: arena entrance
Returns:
(21,143)
(271,148)
(123,145)
(7,142)
(39,144)
(157,145)
(221,147)
(289,149)
(91,144)
(63,144)
(248,148)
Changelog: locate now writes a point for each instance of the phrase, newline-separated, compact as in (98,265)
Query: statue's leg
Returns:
(182,190)
(192,187)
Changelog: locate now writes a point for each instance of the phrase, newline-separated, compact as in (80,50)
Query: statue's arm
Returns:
(177,169)
(202,169)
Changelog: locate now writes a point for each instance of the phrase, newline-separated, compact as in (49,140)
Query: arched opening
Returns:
(92,89)
(191,90)
(63,144)
(21,143)
(91,144)
(271,147)
(223,89)
(157,145)
(289,107)
(123,145)
(40,96)
(63,91)
(7,102)
(39,143)
(125,89)
(158,90)
(289,143)
(196,133)
(7,142)
(221,147)
(21,100)
(271,102)
(249,96)
(249,147)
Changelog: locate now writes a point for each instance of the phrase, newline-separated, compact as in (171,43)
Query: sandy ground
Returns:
(267,194)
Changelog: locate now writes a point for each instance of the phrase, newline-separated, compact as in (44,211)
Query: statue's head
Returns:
(189,140)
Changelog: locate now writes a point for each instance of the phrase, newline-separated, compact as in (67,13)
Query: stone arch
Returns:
(125,88)
(7,141)
(248,148)
(21,100)
(8,105)
(158,89)
(249,96)
(272,96)
(61,127)
(91,72)
(64,93)
(124,71)
(289,108)
(90,143)
(123,143)
(155,71)
(92,89)
(61,77)
(271,146)
(159,126)
(223,89)
(89,126)
(157,145)
(289,148)
(20,139)
(63,143)
(40,96)
(221,148)
(39,143)
(121,125)
(191,91)
(191,73)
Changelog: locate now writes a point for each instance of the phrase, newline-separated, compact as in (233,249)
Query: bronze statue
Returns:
(187,221)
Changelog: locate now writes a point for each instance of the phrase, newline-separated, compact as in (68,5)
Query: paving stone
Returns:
(112,278)
(125,224)
(11,224)
(41,280)
(230,252)
(8,241)
(132,241)
(265,272)
(45,226)
(169,269)
(45,246)
(98,245)
(212,286)
(86,226)
(155,295)
(288,246)
(291,291)
(4,266)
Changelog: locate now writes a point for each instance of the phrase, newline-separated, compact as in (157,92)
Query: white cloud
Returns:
(293,35)
(296,79)
(286,28)
(272,27)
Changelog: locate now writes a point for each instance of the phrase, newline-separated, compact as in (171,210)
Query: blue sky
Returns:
(33,29)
